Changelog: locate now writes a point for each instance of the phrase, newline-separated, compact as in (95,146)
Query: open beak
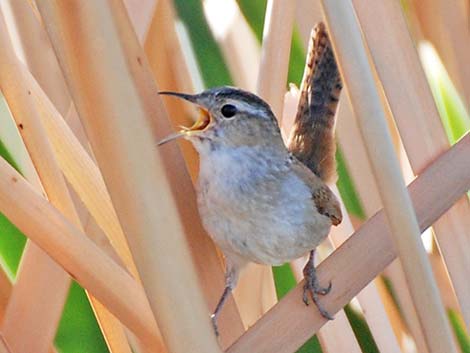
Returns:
(201,124)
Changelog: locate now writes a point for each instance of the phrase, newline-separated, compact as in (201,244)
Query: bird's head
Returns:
(230,117)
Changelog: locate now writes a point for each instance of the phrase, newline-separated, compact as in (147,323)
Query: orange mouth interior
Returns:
(202,122)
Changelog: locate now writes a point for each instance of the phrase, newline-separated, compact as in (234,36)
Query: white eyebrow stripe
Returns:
(245,107)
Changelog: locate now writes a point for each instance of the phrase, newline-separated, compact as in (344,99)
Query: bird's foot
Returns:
(313,288)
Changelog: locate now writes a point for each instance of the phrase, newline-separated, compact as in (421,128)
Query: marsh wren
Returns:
(259,200)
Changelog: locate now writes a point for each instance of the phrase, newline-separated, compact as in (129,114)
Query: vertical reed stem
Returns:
(357,73)
(117,107)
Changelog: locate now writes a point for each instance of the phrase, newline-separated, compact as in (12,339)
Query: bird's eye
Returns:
(228,110)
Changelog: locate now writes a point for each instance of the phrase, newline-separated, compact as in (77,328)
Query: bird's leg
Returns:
(231,277)
(312,286)
(218,308)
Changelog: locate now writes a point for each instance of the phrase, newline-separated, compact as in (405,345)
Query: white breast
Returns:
(252,204)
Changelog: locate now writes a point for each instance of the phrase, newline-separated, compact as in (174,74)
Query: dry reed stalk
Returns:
(239,47)
(162,32)
(255,292)
(336,335)
(413,107)
(360,171)
(3,345)
(164,50)
(66,244)
(38,54)
(340,327)
(40,57)
(11,138)
(396,274)
(13,143)
(107,93)
(113,331)
(394,315)
(80,171)
(364,255)
(445,24)
(51,292)
(77,165)
(39,280)
(354,65)
(96,234)
(445,285)
(84,176)
(166,59)
(140,14)
(308,13)
(369,298)
(355,156)
(277,35)
(359,168)
(5,292)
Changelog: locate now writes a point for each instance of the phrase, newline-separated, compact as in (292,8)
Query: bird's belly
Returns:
(269,245)
(264,232)
(258,208)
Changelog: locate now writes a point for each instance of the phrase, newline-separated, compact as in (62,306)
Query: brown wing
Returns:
(325,201)
(312,138)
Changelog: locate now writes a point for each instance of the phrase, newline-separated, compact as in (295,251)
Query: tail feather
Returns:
(312,139)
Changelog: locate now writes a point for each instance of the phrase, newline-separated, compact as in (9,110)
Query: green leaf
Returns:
(346,188)
(254,12)
(459,329)
(361,330)
(12,241)
(454,116)
(78,330)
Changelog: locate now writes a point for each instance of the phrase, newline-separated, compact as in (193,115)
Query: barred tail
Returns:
(312,138)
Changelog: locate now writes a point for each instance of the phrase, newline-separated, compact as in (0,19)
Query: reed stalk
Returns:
(413,107)
(41,284)
(277,35)
(115,107)
(355,68)
(66,244)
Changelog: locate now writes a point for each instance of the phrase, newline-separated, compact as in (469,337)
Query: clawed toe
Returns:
(322,290)
(312,287)
(313,291)
(324,313)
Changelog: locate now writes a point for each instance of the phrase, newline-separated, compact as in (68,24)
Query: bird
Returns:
(259,199)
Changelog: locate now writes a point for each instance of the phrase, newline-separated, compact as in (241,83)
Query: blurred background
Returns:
(218,42)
